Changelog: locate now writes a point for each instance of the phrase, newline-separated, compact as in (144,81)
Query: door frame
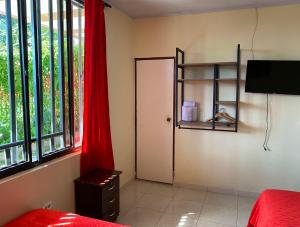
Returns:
(135,105)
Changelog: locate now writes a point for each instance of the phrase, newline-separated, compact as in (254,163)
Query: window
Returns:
(41,81)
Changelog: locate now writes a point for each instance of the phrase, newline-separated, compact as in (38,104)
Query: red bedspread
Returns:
(52,218)
(276,208)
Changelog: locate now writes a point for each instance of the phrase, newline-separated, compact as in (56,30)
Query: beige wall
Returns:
(32,189)
(234,160)
(121,90)
(54,181)
(214,159)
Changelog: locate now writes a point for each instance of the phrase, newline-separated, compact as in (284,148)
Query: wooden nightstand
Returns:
(97,194)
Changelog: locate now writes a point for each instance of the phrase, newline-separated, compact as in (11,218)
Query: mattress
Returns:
(276,208)
(53,218)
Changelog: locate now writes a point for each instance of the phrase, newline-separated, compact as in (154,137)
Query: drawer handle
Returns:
(112,201)
(113,214)
(111,188)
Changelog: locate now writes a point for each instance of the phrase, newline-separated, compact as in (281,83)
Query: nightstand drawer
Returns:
(112,187)
(110,200)
(108,210)
(111,216)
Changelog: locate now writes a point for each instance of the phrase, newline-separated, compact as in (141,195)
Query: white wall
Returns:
(234,160)
(54,181)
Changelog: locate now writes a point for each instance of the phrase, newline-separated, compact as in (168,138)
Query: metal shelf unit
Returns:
(215,125)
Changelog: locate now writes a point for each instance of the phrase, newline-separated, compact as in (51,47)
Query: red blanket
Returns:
(52,218)
(276,208)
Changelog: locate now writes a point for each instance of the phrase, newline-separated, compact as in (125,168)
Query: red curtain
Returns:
(96,146)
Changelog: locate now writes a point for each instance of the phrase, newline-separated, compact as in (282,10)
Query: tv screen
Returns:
(279,77)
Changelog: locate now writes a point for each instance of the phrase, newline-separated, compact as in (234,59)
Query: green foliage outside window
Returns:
(4,83)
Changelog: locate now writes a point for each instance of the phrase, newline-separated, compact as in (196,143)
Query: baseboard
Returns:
(190,186)
(249,194)
(226,191)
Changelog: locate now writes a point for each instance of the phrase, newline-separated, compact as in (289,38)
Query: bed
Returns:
(53,218)
(276,208)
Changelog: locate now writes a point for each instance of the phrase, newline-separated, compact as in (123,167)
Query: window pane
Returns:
(31,80)
(66,63)
(6,156)
(52,93)
(59,142)
(4,89)
(61,69)
(11,103)
(78,50)
(17,72)
(49,74)
(46,68)
(56,79)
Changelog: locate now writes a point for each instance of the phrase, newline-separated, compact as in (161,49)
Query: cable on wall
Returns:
(254,32)
(268,127)
(268,113)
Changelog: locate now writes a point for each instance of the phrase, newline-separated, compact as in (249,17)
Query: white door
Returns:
(154,119)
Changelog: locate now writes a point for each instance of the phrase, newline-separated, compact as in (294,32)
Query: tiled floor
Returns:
(148,204)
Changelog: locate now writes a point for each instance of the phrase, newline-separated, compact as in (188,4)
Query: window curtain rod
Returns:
(82,2)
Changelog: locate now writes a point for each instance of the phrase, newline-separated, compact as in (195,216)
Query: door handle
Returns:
(169,119)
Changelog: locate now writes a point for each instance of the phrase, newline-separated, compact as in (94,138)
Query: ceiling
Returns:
(153,8)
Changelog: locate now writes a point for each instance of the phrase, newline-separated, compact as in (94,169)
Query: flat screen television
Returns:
(273,77)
